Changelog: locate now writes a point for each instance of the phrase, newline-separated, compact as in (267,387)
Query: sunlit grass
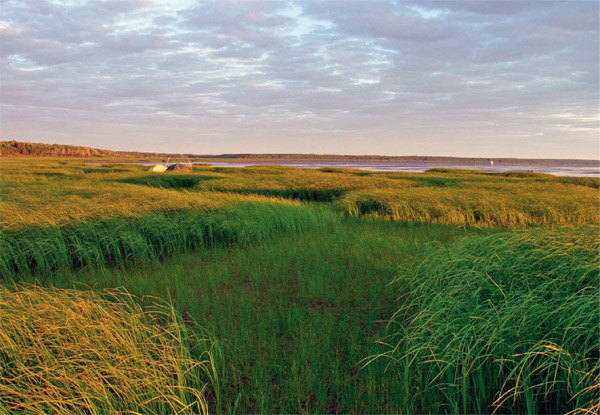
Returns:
(516,204)
(70,352)
(54,193)
(295,313)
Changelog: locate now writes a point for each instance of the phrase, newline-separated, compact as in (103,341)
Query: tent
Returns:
(159,168)
(179,167)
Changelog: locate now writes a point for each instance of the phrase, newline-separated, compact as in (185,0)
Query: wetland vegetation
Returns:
(281,290)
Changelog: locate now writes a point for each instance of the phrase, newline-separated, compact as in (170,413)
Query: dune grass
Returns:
(70,352)
(505,323)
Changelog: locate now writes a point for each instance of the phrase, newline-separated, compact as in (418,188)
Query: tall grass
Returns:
(70,352)
(297,291)
(446,196)
(294,314)
(488,204)
(35,250)
(505,323)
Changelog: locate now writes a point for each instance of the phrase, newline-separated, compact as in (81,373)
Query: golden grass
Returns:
(68,351)
(49,192)
(488,204)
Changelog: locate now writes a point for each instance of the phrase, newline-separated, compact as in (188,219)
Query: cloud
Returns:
(466,78)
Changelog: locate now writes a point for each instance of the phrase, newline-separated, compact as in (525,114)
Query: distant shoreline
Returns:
(399,159)
(24,149)
(458,161)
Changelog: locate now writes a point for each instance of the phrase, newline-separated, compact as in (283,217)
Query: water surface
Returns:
(385,166)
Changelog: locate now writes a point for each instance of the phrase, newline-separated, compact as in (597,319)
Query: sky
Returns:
(448,78)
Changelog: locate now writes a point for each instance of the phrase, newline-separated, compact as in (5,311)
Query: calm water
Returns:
(405,167)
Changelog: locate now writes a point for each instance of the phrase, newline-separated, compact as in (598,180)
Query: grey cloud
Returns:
(366,77)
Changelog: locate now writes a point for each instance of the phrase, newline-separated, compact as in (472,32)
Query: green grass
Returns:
(302,194)
(117,242)
(169,181)
(53,193)
(290,269)
(295,314)
(486,203)
(505,323)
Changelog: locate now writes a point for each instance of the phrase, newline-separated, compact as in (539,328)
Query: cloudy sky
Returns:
(457,78)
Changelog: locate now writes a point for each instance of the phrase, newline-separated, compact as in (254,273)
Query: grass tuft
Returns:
(68,351)
(507,322)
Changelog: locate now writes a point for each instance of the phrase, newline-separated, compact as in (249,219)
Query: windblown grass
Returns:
(35,250)
(294,313)
(67,351)
(446,196)
(60,202)
(297,290)
(485,204)
(169,180)
(505,323)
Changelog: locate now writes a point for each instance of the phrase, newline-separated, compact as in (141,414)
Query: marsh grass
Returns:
(57,192)
(466,198)
(297,291)
(294,313)
(485,204)
(300,194)
(117,242)
(70,352)
(505,323)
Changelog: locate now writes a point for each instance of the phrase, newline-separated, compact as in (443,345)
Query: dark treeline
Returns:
(18,148)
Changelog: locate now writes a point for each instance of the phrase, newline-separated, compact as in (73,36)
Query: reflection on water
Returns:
(402,167)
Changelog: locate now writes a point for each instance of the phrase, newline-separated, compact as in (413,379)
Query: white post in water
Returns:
(492,163)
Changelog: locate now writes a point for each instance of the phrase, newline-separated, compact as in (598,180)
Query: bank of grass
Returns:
(453,197)
(126,242)
(505,323)
(168,180)
(70,352)
(518,204)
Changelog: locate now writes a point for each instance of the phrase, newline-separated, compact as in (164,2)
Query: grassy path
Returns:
(294,314)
